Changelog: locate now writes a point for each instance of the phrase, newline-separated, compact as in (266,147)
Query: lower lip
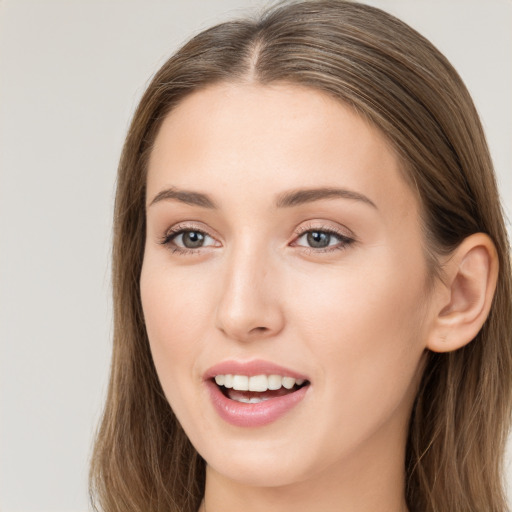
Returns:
(253,415)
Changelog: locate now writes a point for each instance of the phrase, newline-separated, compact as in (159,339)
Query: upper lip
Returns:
(251,368)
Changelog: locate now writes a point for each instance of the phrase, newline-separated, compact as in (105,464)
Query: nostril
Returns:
(259,329)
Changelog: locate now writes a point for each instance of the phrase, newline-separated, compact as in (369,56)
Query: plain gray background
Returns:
(71,73)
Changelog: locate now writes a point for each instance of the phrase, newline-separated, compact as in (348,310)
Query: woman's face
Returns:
(282,240)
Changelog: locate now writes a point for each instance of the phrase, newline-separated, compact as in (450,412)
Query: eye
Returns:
(187,240)
(191,239)
(318,239)
(322,239)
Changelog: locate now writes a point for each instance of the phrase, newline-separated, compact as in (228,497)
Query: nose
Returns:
(250,301)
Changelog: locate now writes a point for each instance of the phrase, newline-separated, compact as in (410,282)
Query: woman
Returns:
(311,278)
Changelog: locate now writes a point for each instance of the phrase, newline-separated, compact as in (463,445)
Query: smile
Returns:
(246,398)
(258,388)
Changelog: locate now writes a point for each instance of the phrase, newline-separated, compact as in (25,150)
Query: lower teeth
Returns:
(254,397)
(249,400)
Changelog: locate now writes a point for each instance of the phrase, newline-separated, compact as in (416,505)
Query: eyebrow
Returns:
(302,196)
(284,200)
(185,196)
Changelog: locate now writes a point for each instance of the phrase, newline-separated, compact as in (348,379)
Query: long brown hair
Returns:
(397,80)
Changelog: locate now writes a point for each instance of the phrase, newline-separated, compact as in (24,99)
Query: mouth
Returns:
(257,388)
(254,393)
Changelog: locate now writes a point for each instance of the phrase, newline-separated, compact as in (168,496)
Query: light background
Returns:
(71,73)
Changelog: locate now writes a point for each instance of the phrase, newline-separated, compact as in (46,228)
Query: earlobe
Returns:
(471,272)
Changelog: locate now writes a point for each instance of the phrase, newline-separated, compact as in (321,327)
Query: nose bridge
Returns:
(248,304)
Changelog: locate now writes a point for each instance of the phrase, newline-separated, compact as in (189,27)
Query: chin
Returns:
(259,471)
(270,462)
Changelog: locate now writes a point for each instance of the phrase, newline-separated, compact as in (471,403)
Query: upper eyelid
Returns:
(181,227)
(346,233)
(342,239)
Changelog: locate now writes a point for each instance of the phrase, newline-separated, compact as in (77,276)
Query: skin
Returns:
(356,321)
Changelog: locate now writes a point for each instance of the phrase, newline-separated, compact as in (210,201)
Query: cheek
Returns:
(359,305)
(366,330)
(176,309)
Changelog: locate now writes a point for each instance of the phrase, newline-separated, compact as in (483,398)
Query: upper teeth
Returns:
(257,382)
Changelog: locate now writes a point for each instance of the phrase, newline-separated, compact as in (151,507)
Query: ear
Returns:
(464,297)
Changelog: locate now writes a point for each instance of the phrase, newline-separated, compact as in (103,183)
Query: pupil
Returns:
(318,239)
(192,239)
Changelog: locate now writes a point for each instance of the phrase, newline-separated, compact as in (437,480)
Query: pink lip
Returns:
(252,415)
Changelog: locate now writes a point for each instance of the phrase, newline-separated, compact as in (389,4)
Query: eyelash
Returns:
(179,230)
(344,240)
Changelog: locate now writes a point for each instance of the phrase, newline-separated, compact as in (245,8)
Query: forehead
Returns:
(241,139)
